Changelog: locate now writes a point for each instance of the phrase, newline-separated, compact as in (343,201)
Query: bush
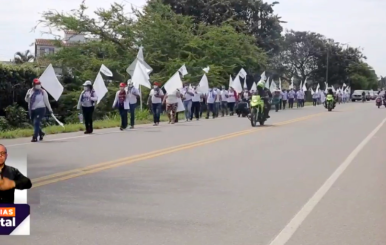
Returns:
(16,116)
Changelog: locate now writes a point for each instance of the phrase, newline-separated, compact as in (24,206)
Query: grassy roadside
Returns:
(75,127)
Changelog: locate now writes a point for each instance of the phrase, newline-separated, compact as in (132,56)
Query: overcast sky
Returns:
(359,23)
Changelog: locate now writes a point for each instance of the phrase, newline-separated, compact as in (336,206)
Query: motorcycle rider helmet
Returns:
(261,84)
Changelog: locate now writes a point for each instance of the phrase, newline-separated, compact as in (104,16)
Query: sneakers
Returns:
(41,136)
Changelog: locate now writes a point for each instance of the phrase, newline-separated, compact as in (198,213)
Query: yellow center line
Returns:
(57,177)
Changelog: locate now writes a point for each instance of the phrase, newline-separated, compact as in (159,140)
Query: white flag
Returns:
(304,86)
(312,91)
(280,83)
(183,70)
(230,81)
(139,58)
(273,87)
(236,85)
(51,83)
(203,86)
(292,83)
(173,83)
(106,71)
(206,69)
(254,87)
(267,84)
(100,87)
(333,89)
(140,76)
(242,73)
(317,88)
(263,77)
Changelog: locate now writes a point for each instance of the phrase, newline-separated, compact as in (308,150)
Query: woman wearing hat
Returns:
(133,94)
(122,103)
(155,97)
(37,99)
(86,102)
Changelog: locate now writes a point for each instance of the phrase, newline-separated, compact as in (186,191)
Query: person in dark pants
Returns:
(122,103)
(284,99)
(276,100)
(196,106)
(86,102)
(10,179)
(133,94)
(291,98)
(210,102)
(37,99)
(155,97)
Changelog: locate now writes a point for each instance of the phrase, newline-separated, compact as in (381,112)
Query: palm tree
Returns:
(25,57)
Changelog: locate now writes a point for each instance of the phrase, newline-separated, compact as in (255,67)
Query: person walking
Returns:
(187,96)
(155,98)
(299,99)
(276,100)
(171,101)
(37,99)
(232,98)
(122,103)
(284,95)
(217,103)
(224,102)
(210,102)
(291,97)
(196,106)
(315,97)
(86,103)
(133,94)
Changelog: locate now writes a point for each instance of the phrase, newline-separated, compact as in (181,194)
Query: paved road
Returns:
(214,182)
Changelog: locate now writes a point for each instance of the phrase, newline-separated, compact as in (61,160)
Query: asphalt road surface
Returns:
(310,177)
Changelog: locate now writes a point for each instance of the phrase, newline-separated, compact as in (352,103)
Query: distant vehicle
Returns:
(368,95)
(373,95)
(357,95)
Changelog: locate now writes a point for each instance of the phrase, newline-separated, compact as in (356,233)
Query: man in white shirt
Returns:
(224,101)
(133,94)
(196,106)
(155,99)
(217,103)
(210,100)
(291,97)
(187,100)
(299,98)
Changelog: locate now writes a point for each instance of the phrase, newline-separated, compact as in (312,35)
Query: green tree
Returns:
(249,16)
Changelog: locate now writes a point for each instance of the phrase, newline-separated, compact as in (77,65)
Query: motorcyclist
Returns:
(330,92)
(363,95)
(265,95)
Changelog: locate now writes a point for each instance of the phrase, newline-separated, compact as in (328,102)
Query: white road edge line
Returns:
(289,230)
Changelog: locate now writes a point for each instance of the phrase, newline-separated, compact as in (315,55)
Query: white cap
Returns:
(87,83)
